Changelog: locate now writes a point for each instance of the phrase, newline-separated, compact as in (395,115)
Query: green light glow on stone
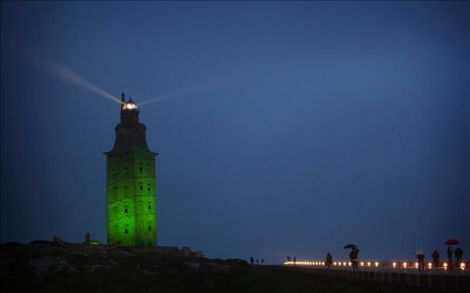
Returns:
(131,198)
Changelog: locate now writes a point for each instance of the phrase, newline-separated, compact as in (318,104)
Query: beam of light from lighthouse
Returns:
(169,95)
(65,73)
(77,80)
(210,83)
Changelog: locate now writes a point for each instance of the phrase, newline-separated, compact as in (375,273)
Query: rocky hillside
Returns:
(47,267)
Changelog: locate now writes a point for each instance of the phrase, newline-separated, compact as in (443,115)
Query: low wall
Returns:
(457,282)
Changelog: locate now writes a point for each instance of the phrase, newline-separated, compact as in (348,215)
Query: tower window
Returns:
(126,231)
(125,211)
(149,207)
(141,187)
(150,228)
(141,169)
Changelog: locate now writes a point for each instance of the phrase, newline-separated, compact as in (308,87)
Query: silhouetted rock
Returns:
(46,267)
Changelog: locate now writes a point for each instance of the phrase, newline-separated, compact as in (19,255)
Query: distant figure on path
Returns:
(449,256)
(295,260)
(353,256)
(288,258)
(262,261)
(329,260)
(435,258)
(420,258)
(257,261)
(458,257)
(252,260)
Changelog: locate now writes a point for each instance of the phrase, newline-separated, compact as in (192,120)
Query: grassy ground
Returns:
(49,268)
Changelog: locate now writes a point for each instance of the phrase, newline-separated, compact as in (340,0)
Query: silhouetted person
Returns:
(458,257)
(252,260)
(295,260)
(420,258)
(449,256)
(262,261)
(329,260)
(257,261)
(435,258)
(288,258)
(353,256)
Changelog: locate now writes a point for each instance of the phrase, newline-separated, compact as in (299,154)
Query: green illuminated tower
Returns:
(131,185)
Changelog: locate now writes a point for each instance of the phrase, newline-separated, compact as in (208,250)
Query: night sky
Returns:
(291,128)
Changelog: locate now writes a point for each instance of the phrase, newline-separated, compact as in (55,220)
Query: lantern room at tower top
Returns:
(131,184)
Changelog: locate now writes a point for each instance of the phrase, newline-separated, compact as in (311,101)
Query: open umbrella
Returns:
(451,242)
(350,246)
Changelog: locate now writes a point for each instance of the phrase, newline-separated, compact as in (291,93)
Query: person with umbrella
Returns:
(353,256)
(450,251)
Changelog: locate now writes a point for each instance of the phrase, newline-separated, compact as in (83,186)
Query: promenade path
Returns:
(395,273)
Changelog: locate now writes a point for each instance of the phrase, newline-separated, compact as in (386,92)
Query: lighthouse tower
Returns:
(131,185)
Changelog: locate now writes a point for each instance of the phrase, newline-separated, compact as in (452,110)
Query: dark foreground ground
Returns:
(46,267)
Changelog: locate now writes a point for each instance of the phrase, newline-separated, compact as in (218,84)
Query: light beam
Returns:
(66,74)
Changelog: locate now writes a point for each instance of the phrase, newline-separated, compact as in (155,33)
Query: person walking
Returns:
(252,260)
(435,258)
(420,258)
(329,260)
(288,258)
(450,251)
(262,261)
(458,257)
(295,260)
(353,256)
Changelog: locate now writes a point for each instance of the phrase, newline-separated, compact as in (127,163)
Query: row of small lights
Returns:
(362,264)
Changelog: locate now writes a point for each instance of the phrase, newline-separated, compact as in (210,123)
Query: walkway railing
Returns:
(392,275)
(382,264)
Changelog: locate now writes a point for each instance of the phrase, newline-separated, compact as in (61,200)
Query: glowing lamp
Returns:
(429,265)
(376,264)
(130,106)
(394,264)
(462,266)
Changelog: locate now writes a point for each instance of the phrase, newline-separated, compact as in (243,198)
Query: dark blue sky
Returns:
(301,126)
